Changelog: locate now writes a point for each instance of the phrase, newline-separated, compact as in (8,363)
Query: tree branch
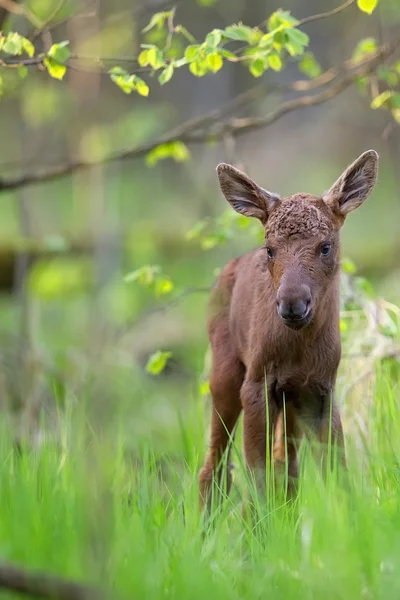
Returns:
(207,127)
(42,585)
(325,15)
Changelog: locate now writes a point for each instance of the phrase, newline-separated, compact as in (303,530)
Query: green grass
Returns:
(101,506)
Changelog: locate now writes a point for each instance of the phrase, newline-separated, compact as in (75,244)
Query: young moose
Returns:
(274,322)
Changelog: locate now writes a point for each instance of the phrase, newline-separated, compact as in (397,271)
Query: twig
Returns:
(42,585)
(325,15)
(199,130)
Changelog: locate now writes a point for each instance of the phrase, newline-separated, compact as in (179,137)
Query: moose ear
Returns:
(354,185)
(244,195)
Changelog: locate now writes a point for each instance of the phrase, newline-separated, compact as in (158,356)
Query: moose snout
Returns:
(294,306)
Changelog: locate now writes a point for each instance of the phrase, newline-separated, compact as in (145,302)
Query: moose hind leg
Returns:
(225,382)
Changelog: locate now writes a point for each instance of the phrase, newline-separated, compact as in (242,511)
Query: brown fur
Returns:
(253,346)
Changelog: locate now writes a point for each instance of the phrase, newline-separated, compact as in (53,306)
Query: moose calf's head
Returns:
(301,232)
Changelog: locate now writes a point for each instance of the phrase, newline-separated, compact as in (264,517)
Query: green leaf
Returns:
(13,44)
(206,3)
(155,57)
(157,20)
(22,71)
(59,52)
(143,58)
(258,66)
(275,62)
(297,41)
(163,286)
(55,69)
(28,47)
(281,18)
(191,52)
(204,388)
(280,38)
(215,62)
(175,150)
(197,229)
(309,66)
(348,266)
(198,68)
(241,33)
(367,6)
(213,38)
(383,100)
(128,83)
(141,86)
(157,362)
(365,47)
(166,75)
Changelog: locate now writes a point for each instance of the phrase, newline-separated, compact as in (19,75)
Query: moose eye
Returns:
(270,253)
(325,249)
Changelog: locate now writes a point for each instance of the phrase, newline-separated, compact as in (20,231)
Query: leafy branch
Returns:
(210,127)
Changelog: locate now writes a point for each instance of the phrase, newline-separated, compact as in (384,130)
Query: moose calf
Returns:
(274,323)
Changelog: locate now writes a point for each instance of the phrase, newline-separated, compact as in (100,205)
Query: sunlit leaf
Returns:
(13,44)
(175,150)
(191,52)
(128,83)
(197,229)
(28,47)
(157,362)
(155,57)
(198,68)
(213,38)
(297,42)
(367,6)
(204,388)
(163,285)
(166,74)
(275,62)
(55,69)
(281,18)
(382,99)
(143,59)
(141,86)
(59,52)
(365,47)
(309,66)
(215,62)
(240,32)
(258,66)
(348,266)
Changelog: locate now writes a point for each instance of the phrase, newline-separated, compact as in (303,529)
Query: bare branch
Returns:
(325,15)
(208,128)
(43,585)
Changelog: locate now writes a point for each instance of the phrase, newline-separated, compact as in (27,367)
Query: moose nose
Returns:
(294,307)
